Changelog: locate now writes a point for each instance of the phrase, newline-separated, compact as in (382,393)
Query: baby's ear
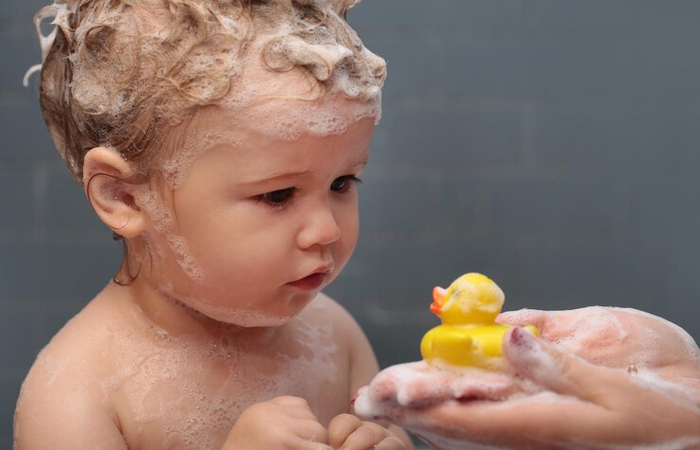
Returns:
(109,186)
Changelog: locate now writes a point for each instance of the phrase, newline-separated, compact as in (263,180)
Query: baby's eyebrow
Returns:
(295,174)
(275,176)
(360,163)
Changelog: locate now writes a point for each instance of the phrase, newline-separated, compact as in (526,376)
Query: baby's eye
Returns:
(344,183)
(278,197)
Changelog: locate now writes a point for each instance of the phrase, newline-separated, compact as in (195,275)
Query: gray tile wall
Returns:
(550,144)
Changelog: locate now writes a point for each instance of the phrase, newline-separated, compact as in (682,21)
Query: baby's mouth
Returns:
(313,281)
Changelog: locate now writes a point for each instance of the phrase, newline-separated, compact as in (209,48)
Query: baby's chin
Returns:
(229,315)
(245,318)
(419,384)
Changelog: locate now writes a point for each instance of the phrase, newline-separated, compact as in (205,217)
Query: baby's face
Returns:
(260,224)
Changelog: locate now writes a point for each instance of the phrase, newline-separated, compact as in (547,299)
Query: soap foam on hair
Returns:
(124,74)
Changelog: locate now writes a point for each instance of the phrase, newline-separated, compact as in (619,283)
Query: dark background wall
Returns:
(550,144)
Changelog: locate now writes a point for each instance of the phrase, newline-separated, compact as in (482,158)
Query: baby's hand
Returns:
(347,432)
(283,423)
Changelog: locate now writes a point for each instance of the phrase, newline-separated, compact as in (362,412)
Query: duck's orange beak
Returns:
(438,300)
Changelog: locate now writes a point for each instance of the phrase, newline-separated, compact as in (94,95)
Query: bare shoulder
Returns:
(363,363)
(62,396)
(327,309)
(53,413)
(330,309)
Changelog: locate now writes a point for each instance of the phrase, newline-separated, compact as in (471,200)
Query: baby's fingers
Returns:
(390,443)
(341,427)
(301,444)
(371,435)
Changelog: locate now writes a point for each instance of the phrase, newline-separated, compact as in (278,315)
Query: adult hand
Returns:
(622,338)
(581,406)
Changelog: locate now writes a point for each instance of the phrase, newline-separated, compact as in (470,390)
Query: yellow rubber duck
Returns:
(469,335)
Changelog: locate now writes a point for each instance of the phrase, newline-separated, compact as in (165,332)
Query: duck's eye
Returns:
(278,197)
(344,183)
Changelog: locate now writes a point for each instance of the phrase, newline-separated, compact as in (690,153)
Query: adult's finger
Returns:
(420,384)
(534,422)
(522,317)
(560,372)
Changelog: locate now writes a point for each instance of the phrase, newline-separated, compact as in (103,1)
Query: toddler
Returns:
(222,141)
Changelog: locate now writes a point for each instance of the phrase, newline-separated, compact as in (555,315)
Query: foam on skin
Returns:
(164,222)
(402,391)
(621,338)
(419,384)
(201,410)
(226,314)
(680,333)
(402,399)
(182,391)
(599,335)
(186,392)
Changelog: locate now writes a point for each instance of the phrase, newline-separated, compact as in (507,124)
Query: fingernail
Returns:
(529,356)
(522,349)
(519,337)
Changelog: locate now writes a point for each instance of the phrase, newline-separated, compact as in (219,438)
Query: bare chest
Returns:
(177,396)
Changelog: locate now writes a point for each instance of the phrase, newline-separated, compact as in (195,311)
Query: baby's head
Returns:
(194,124)
(123,74)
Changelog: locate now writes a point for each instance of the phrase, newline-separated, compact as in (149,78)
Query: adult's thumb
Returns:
(526,316)
(559,372)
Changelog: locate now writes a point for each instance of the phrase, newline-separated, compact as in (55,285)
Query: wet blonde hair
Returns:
(123,73)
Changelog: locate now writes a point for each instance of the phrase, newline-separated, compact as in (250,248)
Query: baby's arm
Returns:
(363,367)
(59,415)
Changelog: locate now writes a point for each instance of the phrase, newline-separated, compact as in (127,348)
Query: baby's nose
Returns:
(321,227)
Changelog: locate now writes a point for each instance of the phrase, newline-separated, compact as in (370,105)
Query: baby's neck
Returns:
(164,315)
